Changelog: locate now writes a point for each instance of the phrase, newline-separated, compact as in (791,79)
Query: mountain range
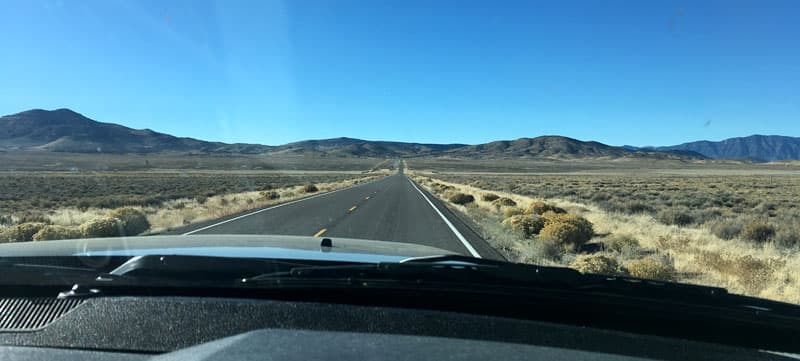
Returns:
(760,148)
(64,130)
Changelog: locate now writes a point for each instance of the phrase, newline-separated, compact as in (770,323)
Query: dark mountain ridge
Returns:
(755,147)
(64,130)
(560,147)
(366,148)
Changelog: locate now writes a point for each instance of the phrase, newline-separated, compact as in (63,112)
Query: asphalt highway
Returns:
(393,208)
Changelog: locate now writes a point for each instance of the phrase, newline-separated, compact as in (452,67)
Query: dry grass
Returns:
(94,221)
(645,246)
(31,193)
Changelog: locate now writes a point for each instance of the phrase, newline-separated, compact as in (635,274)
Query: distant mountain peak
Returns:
(66,111)
(59,111)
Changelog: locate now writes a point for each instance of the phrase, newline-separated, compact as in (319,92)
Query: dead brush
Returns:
(596,263)
(651,268)
(501,202)
(749,272)
(674,243)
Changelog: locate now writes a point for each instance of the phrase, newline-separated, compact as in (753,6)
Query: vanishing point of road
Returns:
(392,208)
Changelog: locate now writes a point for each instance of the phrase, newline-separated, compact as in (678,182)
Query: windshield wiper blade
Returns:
(453,258)
(39,270)
(441,268)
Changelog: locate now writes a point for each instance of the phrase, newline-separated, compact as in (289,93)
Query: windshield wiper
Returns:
(26,270)
(455,258)
(461,270)
(450,268)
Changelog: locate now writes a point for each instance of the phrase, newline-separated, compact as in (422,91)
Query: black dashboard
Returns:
(197,328)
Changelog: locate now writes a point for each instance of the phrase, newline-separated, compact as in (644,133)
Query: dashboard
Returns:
(199,328)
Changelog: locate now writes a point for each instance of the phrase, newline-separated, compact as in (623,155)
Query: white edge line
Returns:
(277,206)
(447,221)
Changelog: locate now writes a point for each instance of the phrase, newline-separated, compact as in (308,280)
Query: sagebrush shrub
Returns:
(634,207)
(133,220)
(503,202)
(758,231)
(33,218)
(269,194)
(461,198)
(526,224)
(84,204)
(651,268)
(310,188)
(55,232)
(751,272)
(539,207)
(102,227)
(512,211)
(788,237)
(675,216)
(596,263)
(22,232)
(441,188)
(725,228)
(570,230)
(549,248)
(621,243)
(488,197)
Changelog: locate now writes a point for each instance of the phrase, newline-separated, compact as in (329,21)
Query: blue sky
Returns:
(271,72)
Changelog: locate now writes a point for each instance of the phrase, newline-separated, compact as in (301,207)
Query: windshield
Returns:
(646,139)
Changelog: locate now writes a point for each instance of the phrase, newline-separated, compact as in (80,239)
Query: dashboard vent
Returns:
(33,313)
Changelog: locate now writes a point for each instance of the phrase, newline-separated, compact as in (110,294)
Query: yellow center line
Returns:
(352,209)
(321,232)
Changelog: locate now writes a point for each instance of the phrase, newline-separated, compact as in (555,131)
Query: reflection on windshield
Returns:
(243,252)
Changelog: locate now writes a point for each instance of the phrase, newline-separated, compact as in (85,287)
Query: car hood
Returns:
(242,246)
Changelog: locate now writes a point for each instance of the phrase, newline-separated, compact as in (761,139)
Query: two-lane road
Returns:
(389,209)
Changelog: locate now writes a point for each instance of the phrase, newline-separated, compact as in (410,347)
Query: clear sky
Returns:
(619,72)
